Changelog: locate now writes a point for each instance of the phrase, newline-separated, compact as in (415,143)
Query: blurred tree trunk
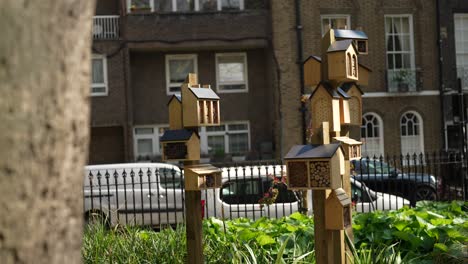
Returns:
(44,84)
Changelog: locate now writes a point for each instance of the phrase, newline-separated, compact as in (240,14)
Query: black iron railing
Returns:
(153,195)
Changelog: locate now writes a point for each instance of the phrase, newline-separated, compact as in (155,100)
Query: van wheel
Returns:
(96,218)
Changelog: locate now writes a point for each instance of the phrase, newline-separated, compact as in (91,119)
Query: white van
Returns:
(134,193)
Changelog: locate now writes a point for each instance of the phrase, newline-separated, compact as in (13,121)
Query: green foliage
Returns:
(432,232)
(438,231)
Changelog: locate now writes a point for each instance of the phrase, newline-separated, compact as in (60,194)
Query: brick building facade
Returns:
(137,42)
(402,41)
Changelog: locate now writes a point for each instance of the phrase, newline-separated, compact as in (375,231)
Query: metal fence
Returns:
(153,194)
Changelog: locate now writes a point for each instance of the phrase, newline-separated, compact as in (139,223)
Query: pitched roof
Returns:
(341,196)
(312,151)
(343,94)
(176,135)
(348,85)
(350,34)
(204,93)
(340,45)
(176,96)
(327,88)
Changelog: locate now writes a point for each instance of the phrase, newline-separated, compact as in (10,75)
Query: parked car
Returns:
(380,176)
(244,187)
(134,193)
(366,200)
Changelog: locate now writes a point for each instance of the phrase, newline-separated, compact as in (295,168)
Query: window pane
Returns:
(185,5)
(231,69)
(390,43)
(144,131)
(216,144)
(208,5)
(405,25)
(215,128)
(98,71)
(180,68)
(325,25)
(145,146)
(140,4)
(163,5)
(101,89)
(237,127)
(339,23)
(230,4)
(238,143)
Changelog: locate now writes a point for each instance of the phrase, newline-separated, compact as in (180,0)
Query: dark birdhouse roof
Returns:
(204,93)
(343,94)
(176,135)
(327,86)
(312,151)
(341,45)
(350,34)
(348,85)
(175,96)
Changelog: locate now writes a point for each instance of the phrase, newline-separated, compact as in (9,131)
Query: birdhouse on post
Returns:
(175,112)
(314,166)
(200,104)
(351,147)
(325,104)
(201,177)
(180,144)
(344,106)
(353,128)
(312,74)
(337,210)
(343,61)
(359,38)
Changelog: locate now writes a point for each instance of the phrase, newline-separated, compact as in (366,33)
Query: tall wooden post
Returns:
(196,106)
(193,223)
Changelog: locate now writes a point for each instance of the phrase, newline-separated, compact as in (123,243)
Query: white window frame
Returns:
(155,137)
(245,82)
(381,133)
(335,16)
(170,57)
(421,132)
(104,72)
(129,6)
(461,42)
(411,35)
(204,135)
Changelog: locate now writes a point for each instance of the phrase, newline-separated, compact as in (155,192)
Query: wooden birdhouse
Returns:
(355,102)
(325,106)
(175,112)
(351,147)
(180,145)
(201,177)
(359,38)
(312,74)
(344,106)
(343,61)
(314,167)
(200,104)
(337,210)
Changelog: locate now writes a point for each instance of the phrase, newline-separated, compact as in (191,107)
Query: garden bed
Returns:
(429,233)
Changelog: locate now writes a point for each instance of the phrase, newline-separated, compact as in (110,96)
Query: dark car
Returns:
(380,176)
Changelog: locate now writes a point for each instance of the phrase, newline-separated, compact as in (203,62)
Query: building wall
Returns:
(367,15)
(107,145)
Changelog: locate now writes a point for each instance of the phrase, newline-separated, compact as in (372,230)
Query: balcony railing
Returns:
(106,27)
(403,80)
